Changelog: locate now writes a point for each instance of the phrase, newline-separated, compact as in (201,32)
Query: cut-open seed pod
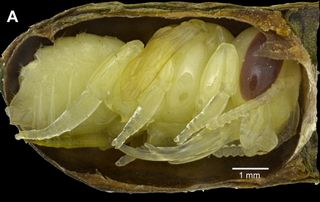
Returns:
(186,91)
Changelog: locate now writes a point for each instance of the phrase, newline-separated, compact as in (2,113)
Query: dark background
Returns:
(23,173)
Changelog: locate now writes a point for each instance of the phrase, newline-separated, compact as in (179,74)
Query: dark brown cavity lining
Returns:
(141,28)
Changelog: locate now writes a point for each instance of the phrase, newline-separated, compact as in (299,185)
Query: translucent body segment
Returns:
(162,31)
(109,90)
(217,85)
(149,103)
(115,102)
(89,100)
(284,104)
(213,74)
(256,134)
(57,76)
(158,51)
(106,75)
(188,62)
(251,127)
(291,127)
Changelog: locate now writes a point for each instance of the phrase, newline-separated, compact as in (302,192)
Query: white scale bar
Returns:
(250,168)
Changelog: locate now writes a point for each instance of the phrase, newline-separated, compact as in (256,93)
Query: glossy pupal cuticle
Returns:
(137,87)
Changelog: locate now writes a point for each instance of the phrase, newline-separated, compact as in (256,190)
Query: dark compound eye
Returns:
(257,73)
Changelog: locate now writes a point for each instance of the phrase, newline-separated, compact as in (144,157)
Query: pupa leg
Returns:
(199,121)
(93,132)
(256,134)
(67,121)
(201,145)
(219,82)
(124,160)
(196,146)
(70,61)
(89,100)
(216,142)
(223,138)
(152,153)
(254,108)
(189,63)
(229,150)
(244,109)
(149,103)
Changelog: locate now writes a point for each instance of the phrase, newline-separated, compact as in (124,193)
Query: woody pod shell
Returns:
(290,30)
